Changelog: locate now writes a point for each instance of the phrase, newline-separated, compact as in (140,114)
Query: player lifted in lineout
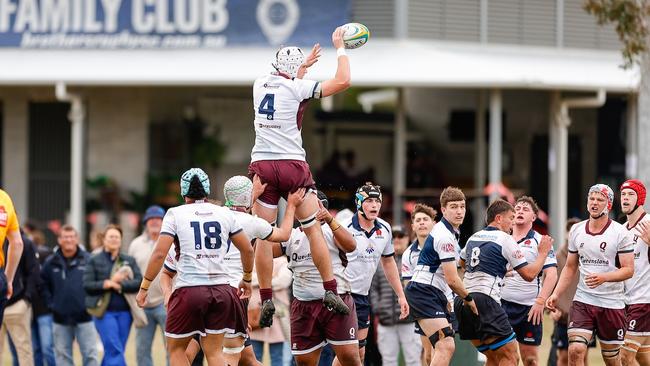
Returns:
(278,158)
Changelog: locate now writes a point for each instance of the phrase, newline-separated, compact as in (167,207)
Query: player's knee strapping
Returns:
(441,334)
(576,338)
(363,342)
(309,221)
(500,342)
(610,353)
(233,350)
(645,348)
(631,345)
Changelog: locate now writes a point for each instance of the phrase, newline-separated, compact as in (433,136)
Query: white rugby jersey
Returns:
(279,103)
(515,288)
(307,282)
(439,247)
(487,256)
(597,253)
(410,260)
(637,288)
(201,231)
(254,227)
(371,246)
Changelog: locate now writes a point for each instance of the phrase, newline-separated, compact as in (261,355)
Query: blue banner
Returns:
(110,24)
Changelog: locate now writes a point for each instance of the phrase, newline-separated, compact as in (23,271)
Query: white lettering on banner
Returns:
(142,21)
(7,7)
(111,11)
(91,25)
(124,39)
(215,16)
(163,25)
(55,15)
(186,16)
(27,17)
(77,10)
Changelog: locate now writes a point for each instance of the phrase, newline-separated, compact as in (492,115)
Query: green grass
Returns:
(158,351)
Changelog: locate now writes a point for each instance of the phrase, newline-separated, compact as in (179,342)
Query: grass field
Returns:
(158,352)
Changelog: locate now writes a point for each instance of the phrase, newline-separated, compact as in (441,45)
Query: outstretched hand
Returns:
(310,60)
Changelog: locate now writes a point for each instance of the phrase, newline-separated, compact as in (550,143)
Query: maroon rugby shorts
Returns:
(637,319)
(282,177)
(312,326)
(609,324)
(204,310)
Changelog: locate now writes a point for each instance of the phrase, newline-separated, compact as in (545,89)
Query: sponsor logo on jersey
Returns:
(637,255)
(262,125)
(198,213)
(448,248)
(207,256)
(582,245)
(594,262)
(300,257)
(4,217)
(270,86)
(518,254)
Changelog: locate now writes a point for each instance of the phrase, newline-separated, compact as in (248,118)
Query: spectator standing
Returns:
(141,249)
(392,332)
(278,333)
(109,275)
(42,342)
(17,320)
(64,295)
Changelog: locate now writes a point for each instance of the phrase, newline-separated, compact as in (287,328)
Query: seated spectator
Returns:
(109,276)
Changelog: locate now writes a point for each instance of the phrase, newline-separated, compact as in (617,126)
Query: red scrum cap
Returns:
(638,187)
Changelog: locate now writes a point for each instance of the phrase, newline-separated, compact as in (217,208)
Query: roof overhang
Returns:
(381,63)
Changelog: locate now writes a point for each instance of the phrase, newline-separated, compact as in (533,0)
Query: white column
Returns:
(77,176)
(556,224)
(479,162)
(401,18)
(15,154)
(495,152)
(399,158)
(632,147)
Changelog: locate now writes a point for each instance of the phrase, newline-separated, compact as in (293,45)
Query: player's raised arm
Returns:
(341,80)
(284,231)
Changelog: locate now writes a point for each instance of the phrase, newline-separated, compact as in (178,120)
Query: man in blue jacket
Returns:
(64,294)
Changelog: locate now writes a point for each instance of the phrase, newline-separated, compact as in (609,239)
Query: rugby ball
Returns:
(355,35)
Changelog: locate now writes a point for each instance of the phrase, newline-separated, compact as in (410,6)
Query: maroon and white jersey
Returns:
(637,288)
(307,282)
(597,253)
(202,233)
(279,103)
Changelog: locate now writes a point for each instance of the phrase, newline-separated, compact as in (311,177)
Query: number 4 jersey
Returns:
(201,231)
(487,256)
(279,103)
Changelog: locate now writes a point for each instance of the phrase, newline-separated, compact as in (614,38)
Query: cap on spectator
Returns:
(153,212)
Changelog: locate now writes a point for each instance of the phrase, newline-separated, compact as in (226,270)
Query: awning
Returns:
(380,63)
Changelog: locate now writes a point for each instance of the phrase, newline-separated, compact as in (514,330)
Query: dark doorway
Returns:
(49,161)
(539,174)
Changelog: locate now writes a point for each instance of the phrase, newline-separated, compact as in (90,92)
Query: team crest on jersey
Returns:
(603,246)
(4,217)
(370,249)
(582,245)
(518,254)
